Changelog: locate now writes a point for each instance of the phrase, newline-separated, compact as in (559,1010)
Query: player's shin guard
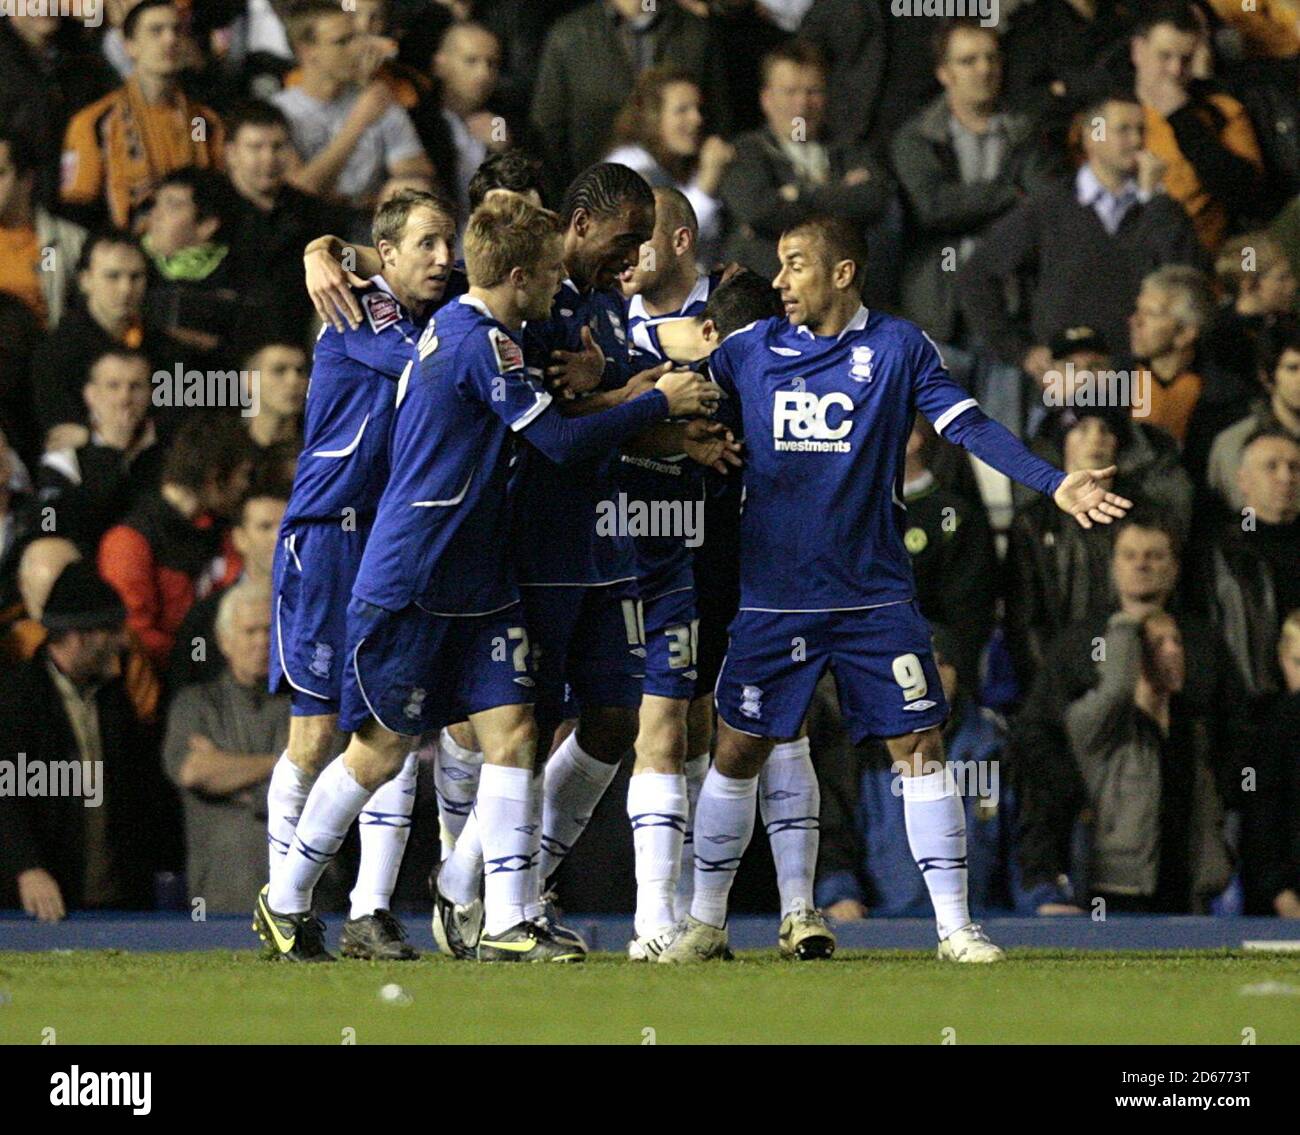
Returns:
(503,811)
(336,799)
(385,825)
(789,801)
(285,797)
(656,807)
(695,770)
(724,824)
(455,780)
(575,782)
(936,833)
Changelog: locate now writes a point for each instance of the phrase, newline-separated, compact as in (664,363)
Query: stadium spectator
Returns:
(1154,827)
(1246,567)
(788,171)
(1204,138)
(953,559)
(661,135)
(1279,354)
(111,277)
(223,739)
(592,58)
(733,23)
(90,487)
(465,129)
(1269,29)
(279,393)
(962,162)
(39,565)
(184,234)
(20,337)
(1088,241)
(270,221)
(864,861)
(45,75)
(18,524)
(166,553)
(1258,287)
(1270,862)
(116,149)
(37,248)
(67,711)
(349,132)
(1173,308)
(253,538)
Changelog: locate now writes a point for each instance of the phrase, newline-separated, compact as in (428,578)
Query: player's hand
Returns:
(40,895)
(1084,496)
(577,372)
(689,394)
(846,910)
(712,445)
(330,288)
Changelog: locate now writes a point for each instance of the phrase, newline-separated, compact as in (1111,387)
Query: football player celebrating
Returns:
(340,475)
(435,629)
(827,397)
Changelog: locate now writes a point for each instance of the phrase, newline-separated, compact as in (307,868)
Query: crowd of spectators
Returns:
(1093,206)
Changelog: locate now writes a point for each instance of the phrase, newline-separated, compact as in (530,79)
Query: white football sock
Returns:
(461,875)
(656,806)
(724,823)
(455,780)
(936,833)
(535,908)
(285,796)
(503,816)
(335,800)
(575,782)
(789,801)
(385,824)
(695,770)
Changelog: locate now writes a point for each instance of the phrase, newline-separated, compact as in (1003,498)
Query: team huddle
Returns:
(456,568)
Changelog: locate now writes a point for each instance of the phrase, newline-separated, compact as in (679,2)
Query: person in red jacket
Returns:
(170,549)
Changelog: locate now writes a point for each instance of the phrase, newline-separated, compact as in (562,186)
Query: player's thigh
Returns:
(661,734)
(489,664)
(771,671)
(885,673)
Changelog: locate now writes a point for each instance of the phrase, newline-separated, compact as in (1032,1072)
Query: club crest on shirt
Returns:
(381,310)
(616,325)
(509,354)
(861,370)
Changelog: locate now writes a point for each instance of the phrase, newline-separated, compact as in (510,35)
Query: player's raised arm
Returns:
(333,268)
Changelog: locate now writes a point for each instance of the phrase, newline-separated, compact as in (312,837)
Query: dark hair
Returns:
(133,16)
(800,52)
(106,237)
(842,240)
(300,21)
(129,353)
(1152,519)
(604,188)
(1095,99)
(266,483)
(207,187)
(1269,432)
(206,446)
(676,206)
(251,348)
(514,169)
(1176,13)
(21,152)
(744,299)
(942,37)
(1274,342)
(254,112)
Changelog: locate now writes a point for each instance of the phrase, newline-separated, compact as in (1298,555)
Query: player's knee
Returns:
(917,754)
(739,755)
(462,732)
(661,739)
(514,746)
(607,732)
(311,741)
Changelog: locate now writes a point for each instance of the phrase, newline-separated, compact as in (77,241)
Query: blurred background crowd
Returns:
(1092,205)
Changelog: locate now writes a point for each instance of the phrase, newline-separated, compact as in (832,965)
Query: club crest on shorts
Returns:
(322,660)
(415,703)
(751,701)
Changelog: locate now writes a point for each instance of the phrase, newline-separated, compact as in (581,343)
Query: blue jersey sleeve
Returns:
(957,418)
(494,374)
(569,440)
(725,368)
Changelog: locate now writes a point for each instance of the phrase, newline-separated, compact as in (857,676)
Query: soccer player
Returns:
(827,397)
(341,473)
(435,628)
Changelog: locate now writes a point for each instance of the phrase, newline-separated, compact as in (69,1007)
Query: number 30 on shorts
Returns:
(909,674)
(683,644)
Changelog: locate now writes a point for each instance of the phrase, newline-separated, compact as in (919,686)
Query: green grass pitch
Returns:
(889,997)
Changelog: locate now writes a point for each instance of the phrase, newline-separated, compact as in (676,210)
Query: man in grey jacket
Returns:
(1156,838)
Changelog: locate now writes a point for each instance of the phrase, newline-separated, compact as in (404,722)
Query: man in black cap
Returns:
(85,815)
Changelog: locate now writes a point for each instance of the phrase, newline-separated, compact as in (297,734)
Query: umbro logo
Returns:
(785,352)
(525,681)
(924,703)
